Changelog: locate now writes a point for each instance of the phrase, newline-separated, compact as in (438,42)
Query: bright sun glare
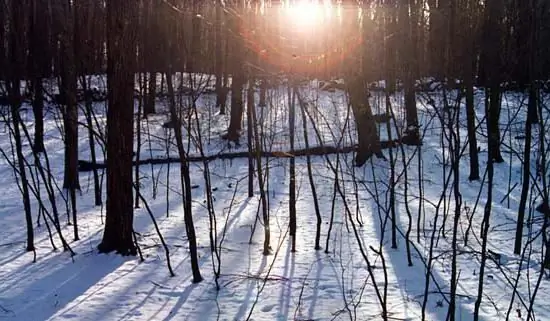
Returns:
(306,14)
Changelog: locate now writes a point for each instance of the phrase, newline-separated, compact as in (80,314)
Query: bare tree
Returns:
(121,45)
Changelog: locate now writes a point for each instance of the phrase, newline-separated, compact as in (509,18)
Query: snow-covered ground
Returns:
(306,284)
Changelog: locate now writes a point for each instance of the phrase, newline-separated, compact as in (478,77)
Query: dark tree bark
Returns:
(367,135)
(121,45)
(185,180)
(526,173)
(220,94)
(238,80)
(471,127)
(15,70)
(533,105)
(390,45)
(16,121)
(263,92)
(292,169)
(411,135)
(68,92)
(356,87)
(435,38)
(37,45)
(149,41)
(151,93)
(492,33)
(70,114)
(92,143)
(468,76)
(494,102)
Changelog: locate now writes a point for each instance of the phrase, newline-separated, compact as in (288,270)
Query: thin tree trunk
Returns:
(38,113)
(36,47)
(237,84)
(292,170)
(532,103)
(149,106)
(220,96)
(470,120)
(92,142)
(411,135)
(185,183)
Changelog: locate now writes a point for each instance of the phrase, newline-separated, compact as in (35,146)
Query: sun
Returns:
(306,14)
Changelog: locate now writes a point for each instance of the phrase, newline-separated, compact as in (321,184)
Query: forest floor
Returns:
(302,285)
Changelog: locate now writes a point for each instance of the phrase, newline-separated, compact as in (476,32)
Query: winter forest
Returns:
(297,160)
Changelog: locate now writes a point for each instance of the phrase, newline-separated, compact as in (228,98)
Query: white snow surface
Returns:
(306,284)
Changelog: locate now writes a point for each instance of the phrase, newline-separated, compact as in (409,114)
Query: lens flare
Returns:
(305,14)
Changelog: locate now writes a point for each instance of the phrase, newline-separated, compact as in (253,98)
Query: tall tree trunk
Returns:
(38,113)
(237,83)
(149,106)
(532,106)
(149,41)
(390,44)
(526,174)
(15,70)
(70,115)
(236,116)
(492,32)
(121,45)
(16,120)
(435,40)
(68,91)
(367,135)
(37,45)
(185,182)
(220,94)
(292,169)
(92,142)
(468,77)
(494,101)
(471,125)
(411,135)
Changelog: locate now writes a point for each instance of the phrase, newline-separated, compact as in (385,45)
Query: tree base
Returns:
(362,157)
(124,250)
(411,138)
(543,208)
(232,136)
(473,177)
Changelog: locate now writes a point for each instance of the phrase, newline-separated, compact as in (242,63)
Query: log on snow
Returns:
(86,166)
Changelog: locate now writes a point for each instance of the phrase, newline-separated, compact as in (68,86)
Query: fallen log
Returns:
(86,166)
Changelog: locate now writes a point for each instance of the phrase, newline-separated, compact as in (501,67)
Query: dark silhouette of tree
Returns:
(121,49)
(238,81)
(408,53)
(15,70)
(491,60)
(38,46)
(68,91)
(467,21)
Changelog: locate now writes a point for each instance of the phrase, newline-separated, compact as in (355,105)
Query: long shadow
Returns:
(316,283)
(45,296)
(409,283)
(250,290)
(180,287)
(286,289)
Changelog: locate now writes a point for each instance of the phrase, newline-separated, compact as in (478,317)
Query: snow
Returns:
(307,284)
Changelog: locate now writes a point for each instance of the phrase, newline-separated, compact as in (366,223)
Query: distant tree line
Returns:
(436,37)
